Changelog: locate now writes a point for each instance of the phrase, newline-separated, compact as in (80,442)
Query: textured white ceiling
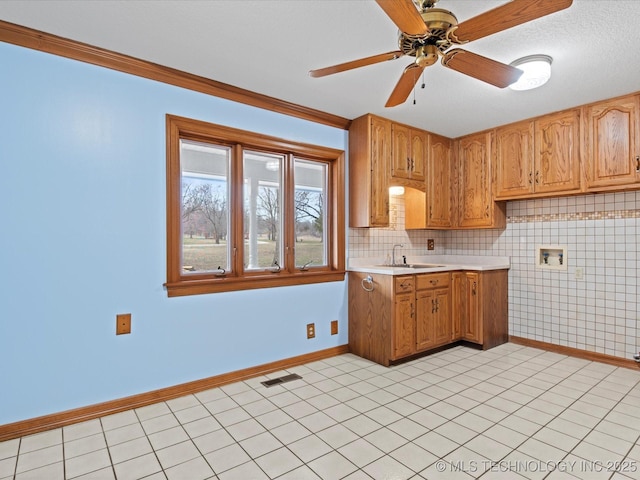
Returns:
(268,46)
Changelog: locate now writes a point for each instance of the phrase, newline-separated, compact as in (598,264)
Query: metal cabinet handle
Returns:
(433,306)
(473,288)
(530,178)
(537,179)
(434,282)
(638,163)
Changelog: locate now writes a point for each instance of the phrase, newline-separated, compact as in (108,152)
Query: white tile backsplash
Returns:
(598,312)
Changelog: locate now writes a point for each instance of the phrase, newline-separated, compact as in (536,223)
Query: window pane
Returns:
(262,210)
(205,203)
(311,212)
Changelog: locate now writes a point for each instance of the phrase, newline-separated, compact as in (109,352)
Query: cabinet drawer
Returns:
(432,280)
(404,284)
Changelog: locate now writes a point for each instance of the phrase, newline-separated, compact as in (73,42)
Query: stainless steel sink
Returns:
(412,265)
(424,265)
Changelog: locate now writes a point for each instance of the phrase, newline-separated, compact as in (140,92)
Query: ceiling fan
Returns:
(427,33)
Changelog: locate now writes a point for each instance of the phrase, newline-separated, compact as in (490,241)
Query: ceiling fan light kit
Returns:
(427,33)
(536,72)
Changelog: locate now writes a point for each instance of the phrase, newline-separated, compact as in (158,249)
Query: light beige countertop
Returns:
(429,264)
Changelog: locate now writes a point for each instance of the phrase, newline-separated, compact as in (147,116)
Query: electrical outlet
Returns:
(334,327)
(311,330)
(123,323)
(431,244)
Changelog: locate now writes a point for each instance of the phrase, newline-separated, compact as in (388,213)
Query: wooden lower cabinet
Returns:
(433,300)
(404,325)
(409,314)
(480,307)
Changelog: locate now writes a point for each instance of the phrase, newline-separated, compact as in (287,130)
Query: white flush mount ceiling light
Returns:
(537,71)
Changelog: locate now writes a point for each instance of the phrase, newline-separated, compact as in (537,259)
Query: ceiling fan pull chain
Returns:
(423,83)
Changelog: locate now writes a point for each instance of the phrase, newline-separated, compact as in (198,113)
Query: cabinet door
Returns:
(442,325)
(380,153)
(474,181)
(401,155)
(418,154)
(440,183)
(458,304)
(404,332)
(557,152)
(513,155)
(612,143)
(425,312)
(471,320)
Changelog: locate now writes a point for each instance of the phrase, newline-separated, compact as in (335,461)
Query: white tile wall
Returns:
(599,312)
(378,242)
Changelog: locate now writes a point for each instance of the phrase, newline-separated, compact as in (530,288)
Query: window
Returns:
(250,211)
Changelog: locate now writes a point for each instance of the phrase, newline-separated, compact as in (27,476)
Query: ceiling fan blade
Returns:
(363,62)
(405,15)
(404,86)
(515,12)
(482,68)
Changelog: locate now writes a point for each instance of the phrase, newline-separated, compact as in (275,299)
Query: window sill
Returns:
(231,284)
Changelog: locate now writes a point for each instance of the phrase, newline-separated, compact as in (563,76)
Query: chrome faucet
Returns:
(393,253)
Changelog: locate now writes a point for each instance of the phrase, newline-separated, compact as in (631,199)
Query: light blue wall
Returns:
(82,199)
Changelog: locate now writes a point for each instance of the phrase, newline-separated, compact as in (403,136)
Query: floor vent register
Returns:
(281,380)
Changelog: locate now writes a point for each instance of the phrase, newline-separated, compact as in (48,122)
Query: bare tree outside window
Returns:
(205,206)
(214,209)
(310,206)
(309,212)
(269,211)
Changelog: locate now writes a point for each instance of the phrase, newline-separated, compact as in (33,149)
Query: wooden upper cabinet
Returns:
(409,151)
(557,152)
(440,182)
(418,154)
(400,153)
(612,143)
(540,157)
(474,181)
(369,156)
(513,160)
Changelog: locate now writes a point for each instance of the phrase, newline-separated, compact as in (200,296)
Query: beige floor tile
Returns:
(195,469)
(278,462)
(309,448)
(39,458)
(131,449)
(511,409)
(87,463)
(332,465)
(360,452)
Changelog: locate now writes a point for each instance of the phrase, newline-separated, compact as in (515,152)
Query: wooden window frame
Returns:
(180,283)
